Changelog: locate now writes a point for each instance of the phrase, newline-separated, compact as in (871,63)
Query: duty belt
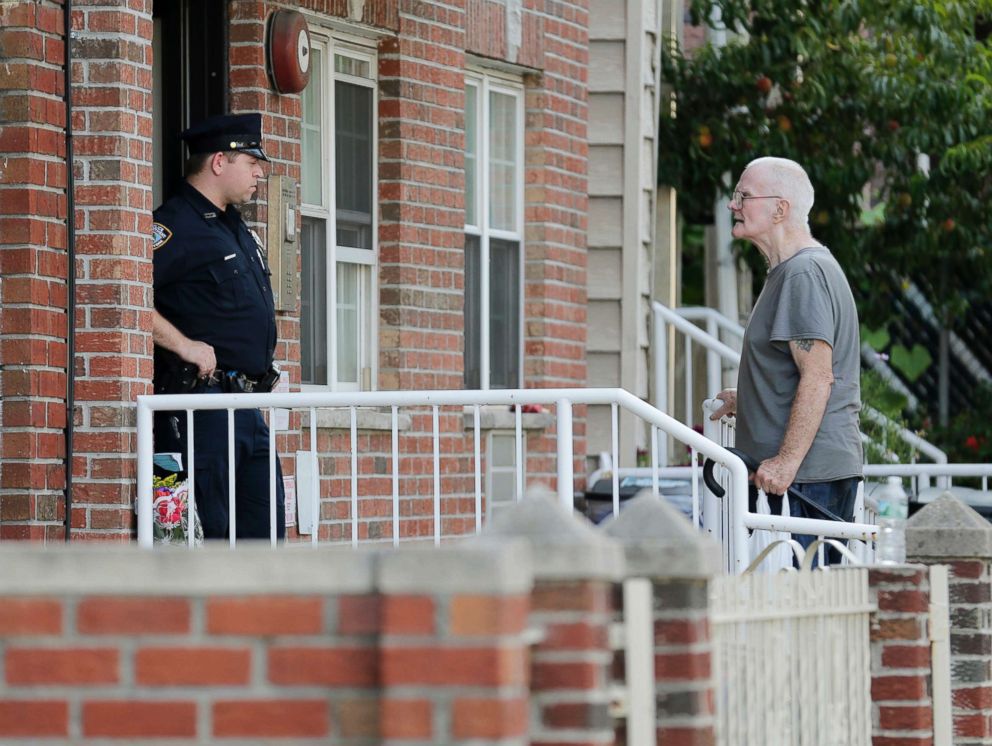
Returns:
(235,382)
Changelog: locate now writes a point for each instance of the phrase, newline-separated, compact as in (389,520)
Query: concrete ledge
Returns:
(165,571)
(660,543)
(476,566)
(492,417)
(948,528)
(365,419)
(563,546)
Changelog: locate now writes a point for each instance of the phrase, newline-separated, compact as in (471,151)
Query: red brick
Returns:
(133,616)
(176,666)
(406,719)
(324,666)
(890,688)
(574,636)
(30,616)
(552,675)
(897,629)
(358,615)
(271,718)
(972,727)
(265,615)
(125,719)
(488,718)
(903,601)
(570,596)
(682,666)
(976,698)
(407,615)
(684,736)
(487,615)
(34,718)
(905,718)
(453,666)
(906,656)
(31,666)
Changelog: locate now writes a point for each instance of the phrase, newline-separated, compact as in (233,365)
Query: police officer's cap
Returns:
(241,132)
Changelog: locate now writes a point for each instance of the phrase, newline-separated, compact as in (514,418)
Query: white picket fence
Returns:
(792,659)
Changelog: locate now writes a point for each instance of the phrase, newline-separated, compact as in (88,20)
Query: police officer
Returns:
(214,319)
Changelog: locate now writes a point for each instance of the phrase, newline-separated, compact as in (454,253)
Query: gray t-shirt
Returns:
(804,297)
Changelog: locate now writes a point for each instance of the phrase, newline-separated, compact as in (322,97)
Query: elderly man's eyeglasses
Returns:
(737,201)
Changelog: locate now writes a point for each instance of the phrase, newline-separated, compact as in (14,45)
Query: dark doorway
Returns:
(189,80)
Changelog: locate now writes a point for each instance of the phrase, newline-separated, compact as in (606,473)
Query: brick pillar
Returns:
(661,545)
(574,572)
(112,121)
(948,532)
(452,660)
(901,682)
(32,270)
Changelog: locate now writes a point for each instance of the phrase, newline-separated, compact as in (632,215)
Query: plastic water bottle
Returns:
(893,507)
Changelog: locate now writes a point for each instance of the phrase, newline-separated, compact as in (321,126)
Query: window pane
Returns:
(471,154)
(348,320)
(313,188)
(502,161)
(504,314)
(351,66)
(353,164)
(473,288)
(313,302)
(503,448)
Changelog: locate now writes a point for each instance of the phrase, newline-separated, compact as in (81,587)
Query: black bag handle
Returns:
(752,466)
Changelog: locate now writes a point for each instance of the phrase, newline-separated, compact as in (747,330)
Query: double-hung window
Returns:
(494,219)
(338,242)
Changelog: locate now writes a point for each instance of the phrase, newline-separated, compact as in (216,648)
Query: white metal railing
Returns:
(561,399)
(792,658)
(766,527)
(716,513)
(720,358)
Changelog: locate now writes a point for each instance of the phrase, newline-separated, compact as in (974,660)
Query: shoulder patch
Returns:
(258,241)
(160,236)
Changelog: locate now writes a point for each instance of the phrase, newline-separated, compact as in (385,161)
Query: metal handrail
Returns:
(679,319)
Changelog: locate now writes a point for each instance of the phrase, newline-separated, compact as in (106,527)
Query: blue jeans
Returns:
(838,497)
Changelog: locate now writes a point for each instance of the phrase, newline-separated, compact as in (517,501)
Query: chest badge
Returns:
(160,236)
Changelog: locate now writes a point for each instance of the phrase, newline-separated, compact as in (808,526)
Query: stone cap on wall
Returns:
(563,546)
(660,543)
(475,566)
(948,528)
(129,570)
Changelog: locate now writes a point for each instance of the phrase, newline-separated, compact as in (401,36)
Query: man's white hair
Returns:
(787,178)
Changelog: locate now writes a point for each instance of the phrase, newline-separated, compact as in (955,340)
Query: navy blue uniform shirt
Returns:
(211,281)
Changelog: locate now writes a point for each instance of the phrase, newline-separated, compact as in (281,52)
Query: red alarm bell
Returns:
(289,51)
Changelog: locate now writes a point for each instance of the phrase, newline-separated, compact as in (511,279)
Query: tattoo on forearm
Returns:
(804,344)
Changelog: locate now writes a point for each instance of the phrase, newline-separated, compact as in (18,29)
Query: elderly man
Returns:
(798,392)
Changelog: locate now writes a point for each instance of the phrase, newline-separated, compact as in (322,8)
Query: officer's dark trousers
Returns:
(251,471)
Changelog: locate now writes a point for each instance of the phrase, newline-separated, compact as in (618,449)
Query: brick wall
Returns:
(33,270)
(348,648)
(112,123)
(901,681)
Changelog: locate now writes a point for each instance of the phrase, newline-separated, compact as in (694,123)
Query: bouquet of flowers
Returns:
(170,517)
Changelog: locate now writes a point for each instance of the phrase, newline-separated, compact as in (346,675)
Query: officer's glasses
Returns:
(737,201)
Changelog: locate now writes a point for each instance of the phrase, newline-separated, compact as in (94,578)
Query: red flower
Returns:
(973,443)
(168,510)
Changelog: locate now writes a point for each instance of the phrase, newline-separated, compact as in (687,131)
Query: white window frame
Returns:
(368,353)
(491,470)
(488,81)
